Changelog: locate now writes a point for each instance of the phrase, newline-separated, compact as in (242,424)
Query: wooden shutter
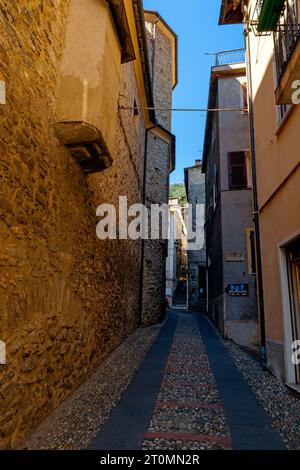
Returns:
(237,170)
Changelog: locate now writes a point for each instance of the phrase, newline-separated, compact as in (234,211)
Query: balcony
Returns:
(234,56)
(287,52)
(231,12)
(281,18)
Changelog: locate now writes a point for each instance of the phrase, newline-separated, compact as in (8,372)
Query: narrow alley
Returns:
(149,230)
(179,388)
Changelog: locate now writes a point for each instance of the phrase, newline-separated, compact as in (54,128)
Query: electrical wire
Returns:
(186,110)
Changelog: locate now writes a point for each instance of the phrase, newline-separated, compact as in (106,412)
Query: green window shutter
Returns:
(269,15)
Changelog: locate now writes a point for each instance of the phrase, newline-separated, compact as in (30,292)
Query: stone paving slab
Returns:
(280,403)
(188,379)
(250,426)
(187,394)
(74,424)
(176,444)
(198,419)
(129,420)
(202,401)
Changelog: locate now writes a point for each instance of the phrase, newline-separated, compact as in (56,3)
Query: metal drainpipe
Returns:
(263,349)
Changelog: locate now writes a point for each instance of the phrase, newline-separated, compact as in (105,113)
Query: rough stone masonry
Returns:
(161,48)
(67,300)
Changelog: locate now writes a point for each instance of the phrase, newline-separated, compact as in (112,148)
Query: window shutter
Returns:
(237,171)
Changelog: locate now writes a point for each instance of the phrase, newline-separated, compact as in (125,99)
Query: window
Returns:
(249,168)
(282,110)
(286,36)
(251,249)
(237,170)
(293,263)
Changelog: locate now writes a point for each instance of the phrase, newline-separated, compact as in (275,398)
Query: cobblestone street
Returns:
(189,413)
(189,391)
(149,231)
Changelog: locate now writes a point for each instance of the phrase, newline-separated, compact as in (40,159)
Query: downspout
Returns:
(260,286)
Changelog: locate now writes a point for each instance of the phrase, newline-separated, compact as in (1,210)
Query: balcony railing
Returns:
(234,56)
(286,36)
(259,5)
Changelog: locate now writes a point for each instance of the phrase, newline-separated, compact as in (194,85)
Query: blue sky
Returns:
(196,23)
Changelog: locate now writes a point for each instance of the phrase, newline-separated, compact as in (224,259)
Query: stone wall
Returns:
(67,299)
(196,258)
(158,170)
(240,314)
(155,251)
(160,60)
(162,81)
(229,219)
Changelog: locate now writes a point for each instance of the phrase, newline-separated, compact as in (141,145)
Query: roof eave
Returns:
(141,29)
(231,12)
(118,12)
(175,38)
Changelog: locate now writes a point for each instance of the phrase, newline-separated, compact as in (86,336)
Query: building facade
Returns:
(195,190)
(177,251)
(162,46)
(273,50)
(232,301)
(74,127)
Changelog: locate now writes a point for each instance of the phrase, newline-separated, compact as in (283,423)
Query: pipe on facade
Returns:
(260,286)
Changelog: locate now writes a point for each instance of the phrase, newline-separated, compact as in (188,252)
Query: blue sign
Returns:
(237,290)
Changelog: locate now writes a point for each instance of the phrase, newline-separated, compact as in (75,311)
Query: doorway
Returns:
(293,263)
(202,289)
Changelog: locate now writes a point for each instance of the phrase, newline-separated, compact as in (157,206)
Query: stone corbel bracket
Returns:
(85,144)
